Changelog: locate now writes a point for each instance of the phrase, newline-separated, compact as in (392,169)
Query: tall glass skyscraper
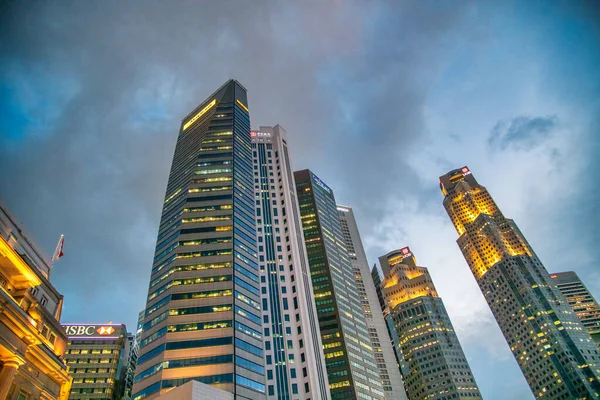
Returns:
(295,365)
(378,331)
(555,352)
(434,365)
(202,319)
(349,358)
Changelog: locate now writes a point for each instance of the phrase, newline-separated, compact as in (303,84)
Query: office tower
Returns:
(295,365)
(349,358)
(556,354)
(378,331)
(97,358)
(387,316)
(581,301)
(131,363)
(434,365)
(202,319)
(32,343)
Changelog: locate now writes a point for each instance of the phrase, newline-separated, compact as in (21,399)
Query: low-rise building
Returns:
(32,342)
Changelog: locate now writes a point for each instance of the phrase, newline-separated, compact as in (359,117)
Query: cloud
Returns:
(379,99)
(522,132)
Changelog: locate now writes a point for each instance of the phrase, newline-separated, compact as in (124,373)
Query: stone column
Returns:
(7,374)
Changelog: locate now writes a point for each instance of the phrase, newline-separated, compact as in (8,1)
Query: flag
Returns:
(58,253)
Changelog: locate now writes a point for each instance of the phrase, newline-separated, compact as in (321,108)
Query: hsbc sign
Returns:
(90,330)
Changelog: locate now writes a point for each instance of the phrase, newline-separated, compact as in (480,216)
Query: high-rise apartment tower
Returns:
(295,365)
(349,358)
(378,331)
(581,301)
(203,319)
(555,352)
(434,364)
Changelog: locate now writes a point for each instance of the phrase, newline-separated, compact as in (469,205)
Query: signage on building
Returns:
(321,183)
(406,252)
(91,331)
(465,171)
(259,134)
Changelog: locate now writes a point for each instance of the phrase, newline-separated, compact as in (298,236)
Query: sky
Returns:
(378,98)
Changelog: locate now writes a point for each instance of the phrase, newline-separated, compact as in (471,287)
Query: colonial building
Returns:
(32,342)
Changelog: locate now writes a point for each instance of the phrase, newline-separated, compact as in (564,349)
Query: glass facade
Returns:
(378,331)
(349,359)
(203,300)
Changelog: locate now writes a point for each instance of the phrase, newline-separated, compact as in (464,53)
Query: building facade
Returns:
(349,358)
(202,319)
(555,352)
(32,342)
(97,357)
(581,301)
(434,364)
(131,363)
(295,366)
(378,331)
(387,316)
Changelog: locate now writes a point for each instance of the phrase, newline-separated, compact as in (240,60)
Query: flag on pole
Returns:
(58,253)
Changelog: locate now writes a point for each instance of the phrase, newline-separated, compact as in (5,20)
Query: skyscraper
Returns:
(434,364)
(581,301)
(556,354)
(378,332)
(349,358)
(202,319)
(295,365)
(387,316)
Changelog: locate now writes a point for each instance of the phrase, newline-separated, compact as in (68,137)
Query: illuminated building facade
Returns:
(202,315)
(32,342)
(434,364)
(581,301)
(555,352)
(387,316)
(349,358)
(378,331)
(97,357)
(295,366)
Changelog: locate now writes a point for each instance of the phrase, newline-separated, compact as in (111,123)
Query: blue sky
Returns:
(378,98)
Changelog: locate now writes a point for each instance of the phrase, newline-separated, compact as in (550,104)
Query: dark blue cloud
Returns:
(522,132)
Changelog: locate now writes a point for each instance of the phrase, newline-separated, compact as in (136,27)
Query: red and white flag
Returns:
(58,253)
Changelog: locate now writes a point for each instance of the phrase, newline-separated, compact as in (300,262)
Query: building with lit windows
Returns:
(581,301)
(98,357)
(387,316)
(349,358)
(32,342)
(434,364)
(378,331)
(202,319)
(295,367)
(131,363)
(555,352)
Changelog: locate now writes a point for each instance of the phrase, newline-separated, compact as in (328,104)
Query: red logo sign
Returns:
(405,250)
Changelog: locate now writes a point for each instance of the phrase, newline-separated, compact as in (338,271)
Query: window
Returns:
(23,395)
(44,301)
